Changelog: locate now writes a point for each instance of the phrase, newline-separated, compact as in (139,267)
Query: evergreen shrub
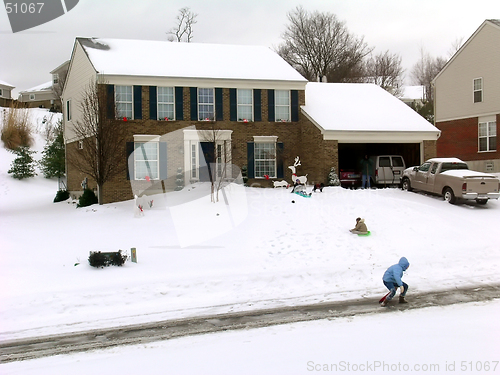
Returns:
(61,195)
(88,198)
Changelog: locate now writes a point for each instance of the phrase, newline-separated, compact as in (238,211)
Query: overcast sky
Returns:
(400,26)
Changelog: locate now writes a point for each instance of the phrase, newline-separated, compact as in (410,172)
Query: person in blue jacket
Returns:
(392,281)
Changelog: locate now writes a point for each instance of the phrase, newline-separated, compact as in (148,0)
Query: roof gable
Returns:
(186,60)
(492,22)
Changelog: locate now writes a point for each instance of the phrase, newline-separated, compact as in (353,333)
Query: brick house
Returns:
(467,100)
(174,97)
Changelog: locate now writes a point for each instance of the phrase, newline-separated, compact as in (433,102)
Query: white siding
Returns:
(81,73)
(480,58)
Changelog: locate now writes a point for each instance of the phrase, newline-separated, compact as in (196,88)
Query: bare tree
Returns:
(318,45)
(183,31)
(219,162)
(425,70)
(455,46)
(386,71)
(102,153)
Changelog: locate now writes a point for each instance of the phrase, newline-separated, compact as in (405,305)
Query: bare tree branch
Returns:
(319,45)
(386,71)
(183,30)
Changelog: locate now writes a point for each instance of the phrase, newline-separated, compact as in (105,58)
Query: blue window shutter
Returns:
(233,105)
(219,106)
(163,160)
(110,101)
(193,91)
(130,160)
(153,110)
(270,103)
(137,102)
(250,160)
(280,172)
(257,105)
(179,103)
(295,105)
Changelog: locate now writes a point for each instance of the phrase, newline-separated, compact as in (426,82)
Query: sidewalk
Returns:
(16,350)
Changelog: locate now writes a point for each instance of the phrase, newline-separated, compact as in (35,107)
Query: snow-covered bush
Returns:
(24,165)
(88,198)
(101,260)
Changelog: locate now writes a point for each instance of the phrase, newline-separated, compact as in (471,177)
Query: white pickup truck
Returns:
(452,179)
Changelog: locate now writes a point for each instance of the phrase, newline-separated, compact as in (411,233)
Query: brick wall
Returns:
(300,138)
(459,138)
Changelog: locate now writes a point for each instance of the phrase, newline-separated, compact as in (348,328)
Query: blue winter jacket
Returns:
(395,272)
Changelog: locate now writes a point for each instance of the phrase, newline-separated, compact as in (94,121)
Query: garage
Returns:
(363,119)
(350,154)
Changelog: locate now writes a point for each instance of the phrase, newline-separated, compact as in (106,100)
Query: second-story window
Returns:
(245,105)
(478,90)
(166,103)
(282,105)
(206,107)
(124,101)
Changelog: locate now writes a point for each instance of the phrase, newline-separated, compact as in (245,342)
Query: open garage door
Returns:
(350,154)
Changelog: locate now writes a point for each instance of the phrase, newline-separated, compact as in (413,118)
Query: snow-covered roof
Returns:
(47,86)
(3,83)
(361,107)
(187,60)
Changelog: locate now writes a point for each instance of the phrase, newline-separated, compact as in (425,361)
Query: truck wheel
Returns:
(481,201)
(405,185)
(449,196)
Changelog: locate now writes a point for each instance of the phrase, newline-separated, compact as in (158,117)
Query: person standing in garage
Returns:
(366,167)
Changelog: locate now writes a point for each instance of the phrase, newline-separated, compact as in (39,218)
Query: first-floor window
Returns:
(487,136)
(206,106)
(265,159)
(146,160)
(124,101)
(165,103)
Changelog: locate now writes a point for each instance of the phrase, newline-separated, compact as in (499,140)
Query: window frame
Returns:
(201,95)
(281,106)
(119,101)
(488,126)
(32,96)
(261,171)
(477,90)
(137,159)
(249,106)
(159,103)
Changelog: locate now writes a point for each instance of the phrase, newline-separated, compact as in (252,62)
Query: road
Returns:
(37,347)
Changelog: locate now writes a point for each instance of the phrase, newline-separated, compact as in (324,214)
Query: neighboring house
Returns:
(47,95)
(413,96)
(5,94)
(467,100)
(172,98)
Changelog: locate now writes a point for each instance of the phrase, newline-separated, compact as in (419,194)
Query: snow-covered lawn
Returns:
(259,251)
